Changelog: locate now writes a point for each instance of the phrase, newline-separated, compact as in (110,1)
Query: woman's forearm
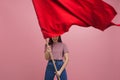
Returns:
(65,62)
(47,55)
(47,52)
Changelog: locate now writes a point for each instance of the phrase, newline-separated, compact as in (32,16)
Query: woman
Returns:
(60,52)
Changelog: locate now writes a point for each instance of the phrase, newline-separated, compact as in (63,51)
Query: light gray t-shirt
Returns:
(58,50)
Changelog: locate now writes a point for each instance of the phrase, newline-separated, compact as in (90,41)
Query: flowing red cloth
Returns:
(55,17)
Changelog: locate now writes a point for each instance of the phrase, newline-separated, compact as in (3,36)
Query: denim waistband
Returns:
(55,60)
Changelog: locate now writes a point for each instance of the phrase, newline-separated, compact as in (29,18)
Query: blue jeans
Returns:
(49,73)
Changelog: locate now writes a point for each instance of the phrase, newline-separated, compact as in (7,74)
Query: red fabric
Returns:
(55,17)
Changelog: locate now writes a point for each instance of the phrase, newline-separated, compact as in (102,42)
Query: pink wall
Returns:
(94,55)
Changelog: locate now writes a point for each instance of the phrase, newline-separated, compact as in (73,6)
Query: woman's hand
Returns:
(58,73)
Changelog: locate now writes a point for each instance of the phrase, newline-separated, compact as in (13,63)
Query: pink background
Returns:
(94,55)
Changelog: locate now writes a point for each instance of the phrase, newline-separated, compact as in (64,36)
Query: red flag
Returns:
(56,16)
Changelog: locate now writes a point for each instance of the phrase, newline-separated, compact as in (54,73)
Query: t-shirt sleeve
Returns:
(65,48)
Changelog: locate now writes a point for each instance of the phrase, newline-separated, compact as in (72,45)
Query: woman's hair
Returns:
(51,41)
